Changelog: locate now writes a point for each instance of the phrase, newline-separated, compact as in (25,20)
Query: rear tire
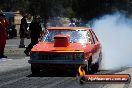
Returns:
(95,67)
(87,68)
(35,69)
(90,69)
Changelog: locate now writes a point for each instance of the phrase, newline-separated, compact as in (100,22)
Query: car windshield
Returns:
(76,36)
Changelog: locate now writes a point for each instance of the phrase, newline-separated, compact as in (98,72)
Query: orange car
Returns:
(67,48)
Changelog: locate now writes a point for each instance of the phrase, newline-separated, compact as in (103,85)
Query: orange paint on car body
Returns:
(66,46)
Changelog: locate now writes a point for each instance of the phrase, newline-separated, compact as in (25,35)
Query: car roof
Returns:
(68,28)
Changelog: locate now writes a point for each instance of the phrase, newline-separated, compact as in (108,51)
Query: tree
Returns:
(88,9)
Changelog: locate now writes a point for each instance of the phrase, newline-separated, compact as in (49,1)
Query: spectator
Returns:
(23,31)
(3,34)
(35,32)
(72,24)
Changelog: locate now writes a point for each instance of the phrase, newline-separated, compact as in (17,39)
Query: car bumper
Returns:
(82,62)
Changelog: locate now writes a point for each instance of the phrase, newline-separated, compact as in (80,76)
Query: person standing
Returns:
(72,24)
(35,33)
(3,34)
(23,31)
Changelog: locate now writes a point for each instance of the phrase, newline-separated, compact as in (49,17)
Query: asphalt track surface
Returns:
(15,73)
(21,77)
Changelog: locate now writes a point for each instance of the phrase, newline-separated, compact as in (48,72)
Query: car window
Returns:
(79,36)
(94,36)
(90,38)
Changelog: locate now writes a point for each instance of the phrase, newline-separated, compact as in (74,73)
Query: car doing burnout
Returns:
(66,48)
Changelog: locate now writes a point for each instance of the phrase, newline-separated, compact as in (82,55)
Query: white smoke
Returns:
(115,34)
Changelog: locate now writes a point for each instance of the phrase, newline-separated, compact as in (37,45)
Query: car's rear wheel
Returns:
(35,69)
(95,67)
(91,68)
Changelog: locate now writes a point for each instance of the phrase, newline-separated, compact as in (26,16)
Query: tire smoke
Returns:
(115,34)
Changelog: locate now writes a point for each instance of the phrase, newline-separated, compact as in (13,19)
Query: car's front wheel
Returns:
(91,68)
(35,69)
(87,68)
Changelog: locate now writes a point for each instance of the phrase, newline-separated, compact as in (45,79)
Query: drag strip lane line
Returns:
(13,81)
(13,75)
(4,59)
(70,83)
(57,82)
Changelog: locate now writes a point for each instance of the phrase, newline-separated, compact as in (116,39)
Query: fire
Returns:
(81,71)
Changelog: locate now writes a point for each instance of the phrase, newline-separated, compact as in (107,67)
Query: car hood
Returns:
(49,47)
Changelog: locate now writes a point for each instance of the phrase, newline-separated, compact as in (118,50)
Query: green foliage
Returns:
(84,9)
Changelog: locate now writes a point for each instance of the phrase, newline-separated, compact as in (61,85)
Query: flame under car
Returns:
(67,48)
